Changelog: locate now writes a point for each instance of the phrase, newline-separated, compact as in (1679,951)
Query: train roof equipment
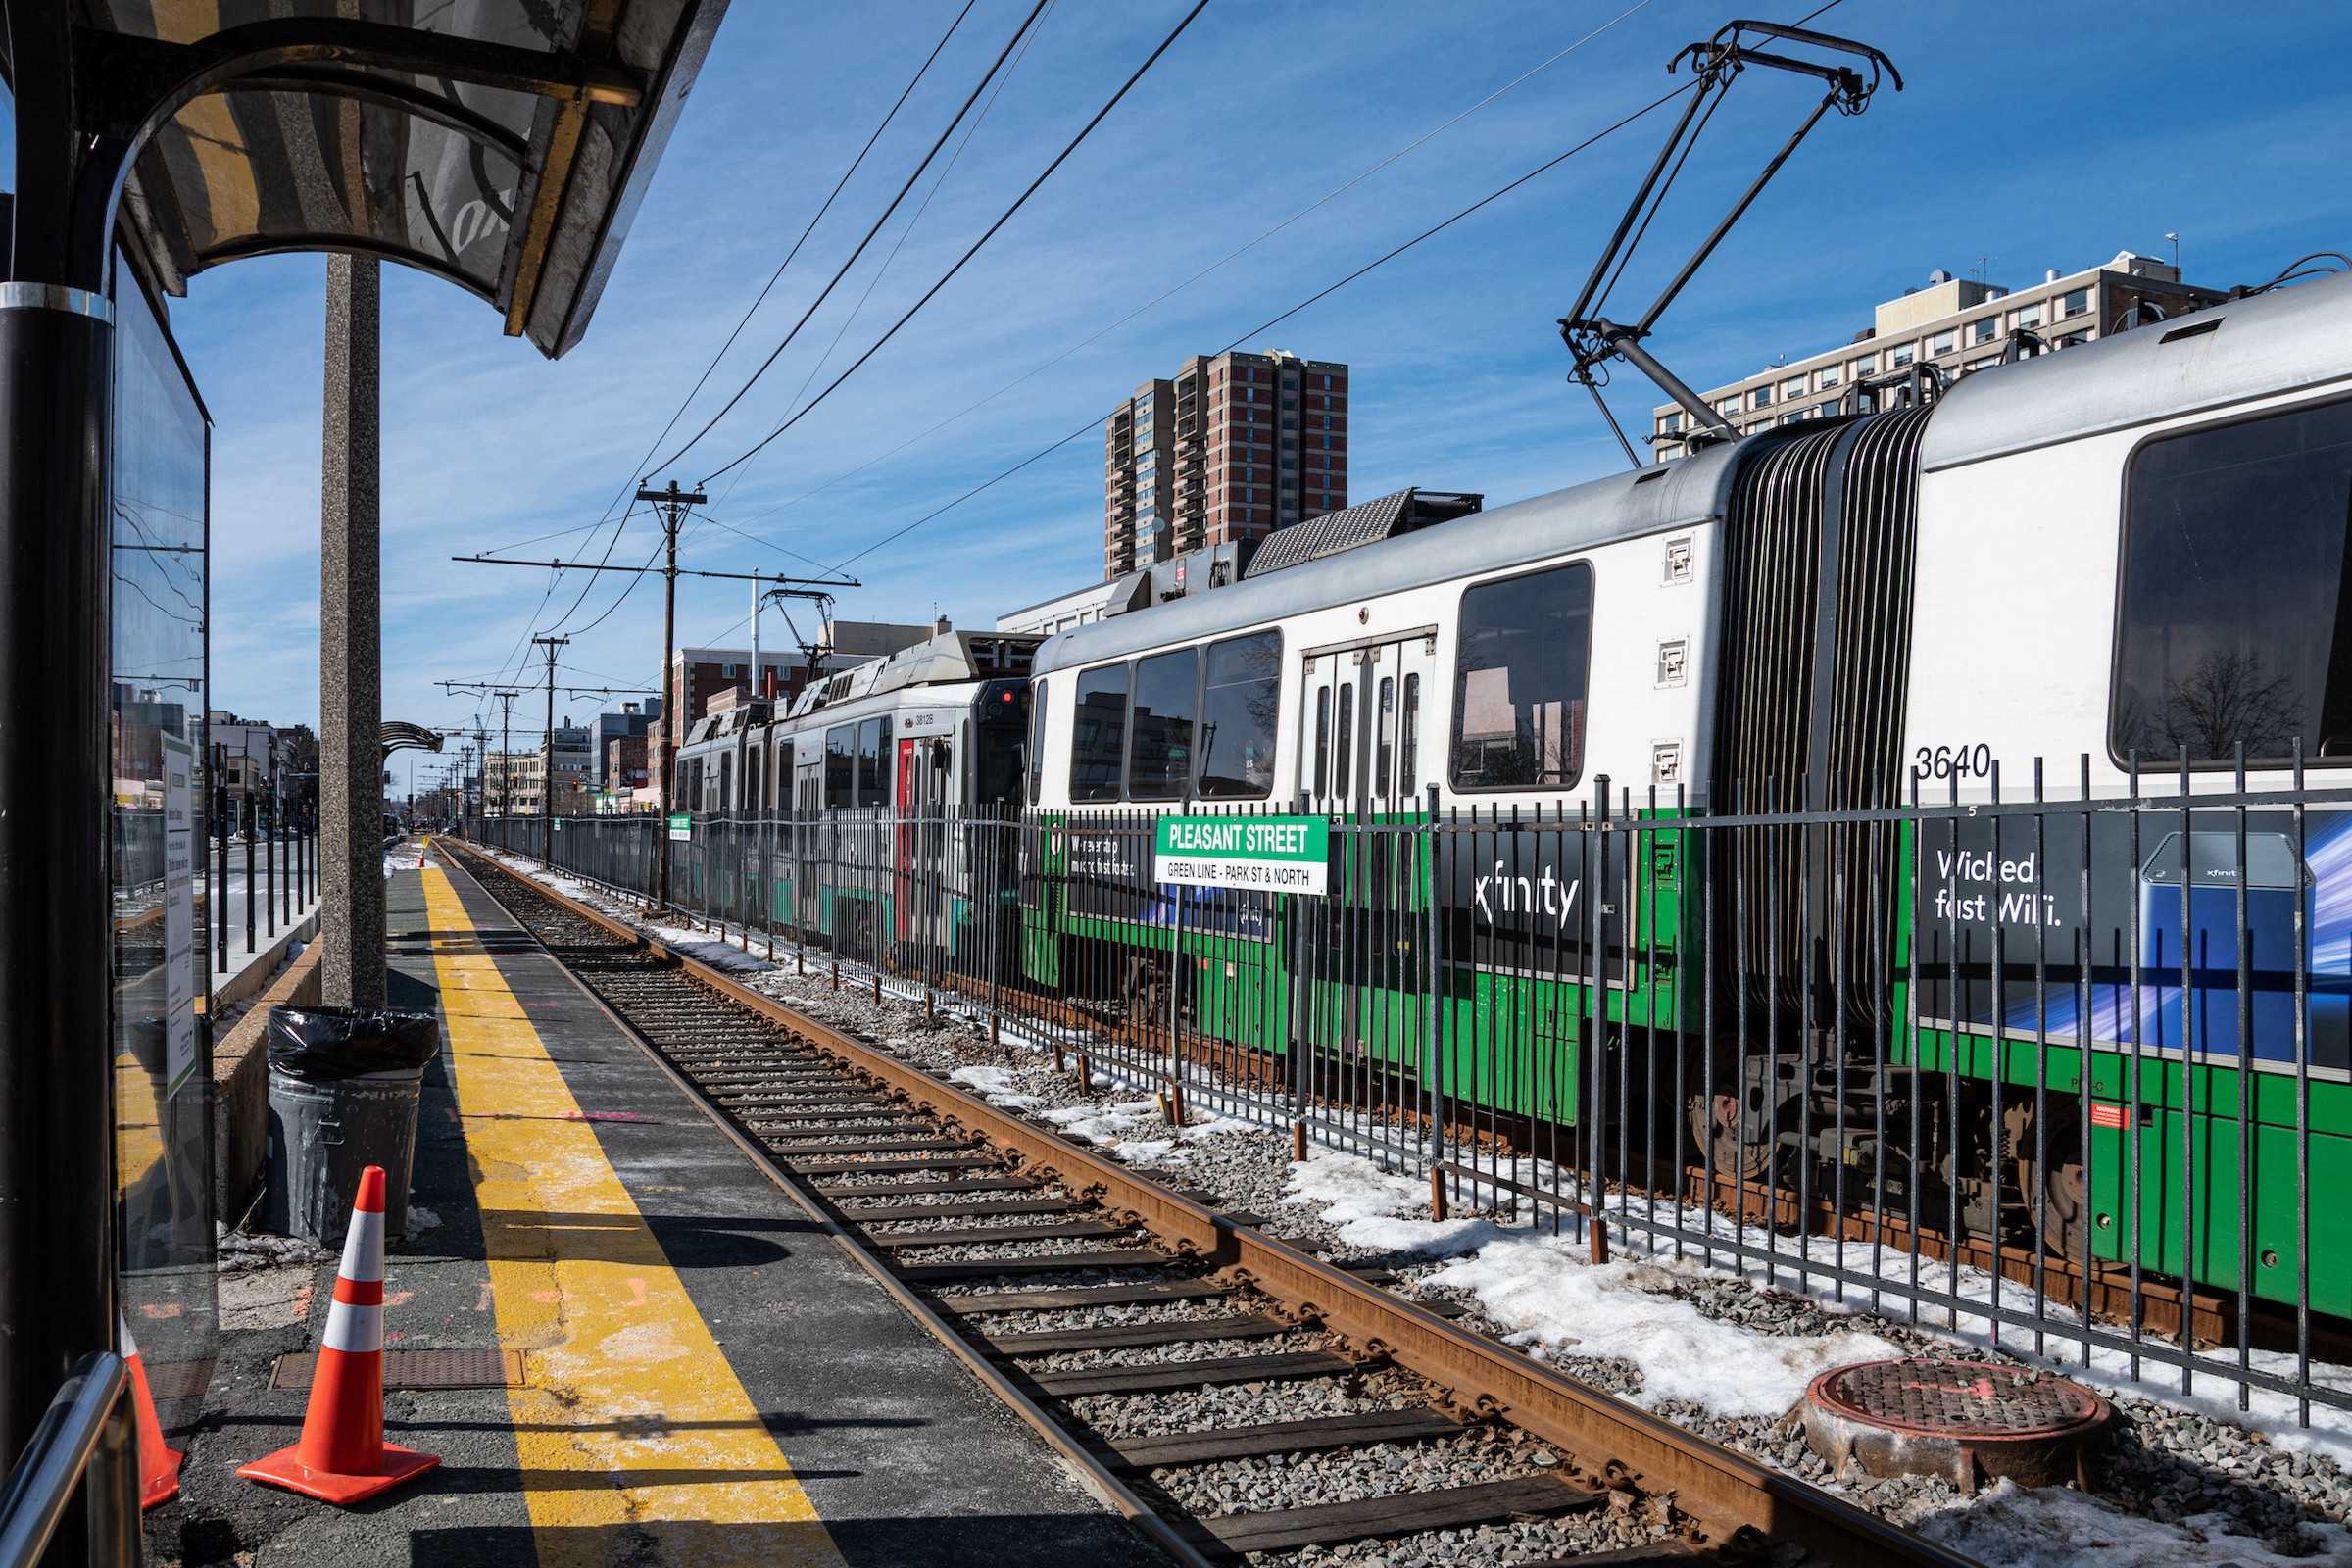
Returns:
(1366,522)
(947,658)
(1657,499)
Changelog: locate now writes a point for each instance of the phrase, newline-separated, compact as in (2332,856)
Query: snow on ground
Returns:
(1553,1302)
(999,1086)
(1550,1299)
(1110,1126)
(2052,1527)
(705,948)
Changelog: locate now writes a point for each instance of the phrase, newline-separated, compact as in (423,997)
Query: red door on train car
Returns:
(909,794)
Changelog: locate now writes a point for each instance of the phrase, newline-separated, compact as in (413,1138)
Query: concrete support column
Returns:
(351,768)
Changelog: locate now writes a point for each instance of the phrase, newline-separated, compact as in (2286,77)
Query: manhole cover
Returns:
(419,1369)
(1967,1421)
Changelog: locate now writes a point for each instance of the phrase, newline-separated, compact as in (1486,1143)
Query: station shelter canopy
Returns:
(500,144)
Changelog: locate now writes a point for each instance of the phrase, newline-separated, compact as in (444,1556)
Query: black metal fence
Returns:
(2061,1076)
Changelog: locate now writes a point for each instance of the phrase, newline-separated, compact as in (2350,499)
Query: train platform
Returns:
(704,1374)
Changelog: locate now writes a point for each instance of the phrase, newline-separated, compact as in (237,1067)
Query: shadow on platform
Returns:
(1083,1541)
(685,1240)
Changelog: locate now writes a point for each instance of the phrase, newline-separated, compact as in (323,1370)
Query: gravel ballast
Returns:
(2190,1478)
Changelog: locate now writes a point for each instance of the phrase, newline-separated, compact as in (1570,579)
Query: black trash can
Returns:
(343,1090)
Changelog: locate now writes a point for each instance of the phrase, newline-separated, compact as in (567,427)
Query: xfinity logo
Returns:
(1525,894)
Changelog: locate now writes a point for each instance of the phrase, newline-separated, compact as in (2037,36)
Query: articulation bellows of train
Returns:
(2102,558)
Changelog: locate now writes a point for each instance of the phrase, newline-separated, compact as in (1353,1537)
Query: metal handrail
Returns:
(49,1474)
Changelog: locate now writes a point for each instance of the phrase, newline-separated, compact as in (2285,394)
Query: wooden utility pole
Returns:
(506,696)
(547,766)
(672,503)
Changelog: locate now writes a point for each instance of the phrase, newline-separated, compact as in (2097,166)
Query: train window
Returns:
(1408,736)
(1160,724)
(1384,738)
(841,767)
(1241,697)
(1037,739)
(2219,646)
(1322,741)
(726,783)
(1519,681)
(1099,734)
(1345,771)
(873,751)
(999,727)
(751,781)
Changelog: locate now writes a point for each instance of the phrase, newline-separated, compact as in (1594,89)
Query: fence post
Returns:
(1175,1007)
(1433,977)
(251,820)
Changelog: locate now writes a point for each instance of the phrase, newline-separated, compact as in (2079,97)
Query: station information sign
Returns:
(681,826)
(1255,854)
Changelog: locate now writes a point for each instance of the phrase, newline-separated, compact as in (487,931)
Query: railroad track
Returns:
(1069,1284)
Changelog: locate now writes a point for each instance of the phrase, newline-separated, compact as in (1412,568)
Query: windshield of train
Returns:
(999,731)
(2236,616)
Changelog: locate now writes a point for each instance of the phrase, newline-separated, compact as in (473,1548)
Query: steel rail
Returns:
(1729,1496)
(1108,1486)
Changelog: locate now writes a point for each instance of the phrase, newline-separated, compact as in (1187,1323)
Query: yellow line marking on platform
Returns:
(634,1436)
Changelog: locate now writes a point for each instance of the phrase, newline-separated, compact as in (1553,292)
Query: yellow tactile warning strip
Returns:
(626,1384)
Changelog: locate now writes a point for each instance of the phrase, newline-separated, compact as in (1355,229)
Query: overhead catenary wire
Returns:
(843,270)
(823,208)
(1229,257)
(1018,203)
(875,282)
(1326,292)
(654,445)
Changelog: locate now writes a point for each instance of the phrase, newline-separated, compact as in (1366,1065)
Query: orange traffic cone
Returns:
(159,1466)
(343,1457)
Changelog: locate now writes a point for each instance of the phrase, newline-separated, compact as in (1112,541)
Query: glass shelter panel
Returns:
(162,1045)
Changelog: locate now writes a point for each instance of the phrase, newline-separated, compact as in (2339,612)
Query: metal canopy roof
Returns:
(500,144)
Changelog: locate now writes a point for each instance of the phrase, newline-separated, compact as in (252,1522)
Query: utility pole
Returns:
(672,503)
(506,696)
(506,750)
(547,782)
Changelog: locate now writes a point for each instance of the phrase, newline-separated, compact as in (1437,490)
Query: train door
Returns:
(1360,737)
(808,830)
(906,834)
(1363,762)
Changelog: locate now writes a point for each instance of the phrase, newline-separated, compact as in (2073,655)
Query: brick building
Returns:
(624,765)
(1232,446)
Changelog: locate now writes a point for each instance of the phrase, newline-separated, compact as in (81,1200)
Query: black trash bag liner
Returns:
(325,1045)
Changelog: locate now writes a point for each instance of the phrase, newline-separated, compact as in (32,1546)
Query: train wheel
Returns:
(1715,1130)
(2057,1193)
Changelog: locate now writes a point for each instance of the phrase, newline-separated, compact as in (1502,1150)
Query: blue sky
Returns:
(2031,136)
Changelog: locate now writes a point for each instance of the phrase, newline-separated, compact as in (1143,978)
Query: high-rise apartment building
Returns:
(1233,447)
(1953,328)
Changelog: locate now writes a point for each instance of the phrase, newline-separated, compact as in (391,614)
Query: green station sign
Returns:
(1257,853)
(681,826)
